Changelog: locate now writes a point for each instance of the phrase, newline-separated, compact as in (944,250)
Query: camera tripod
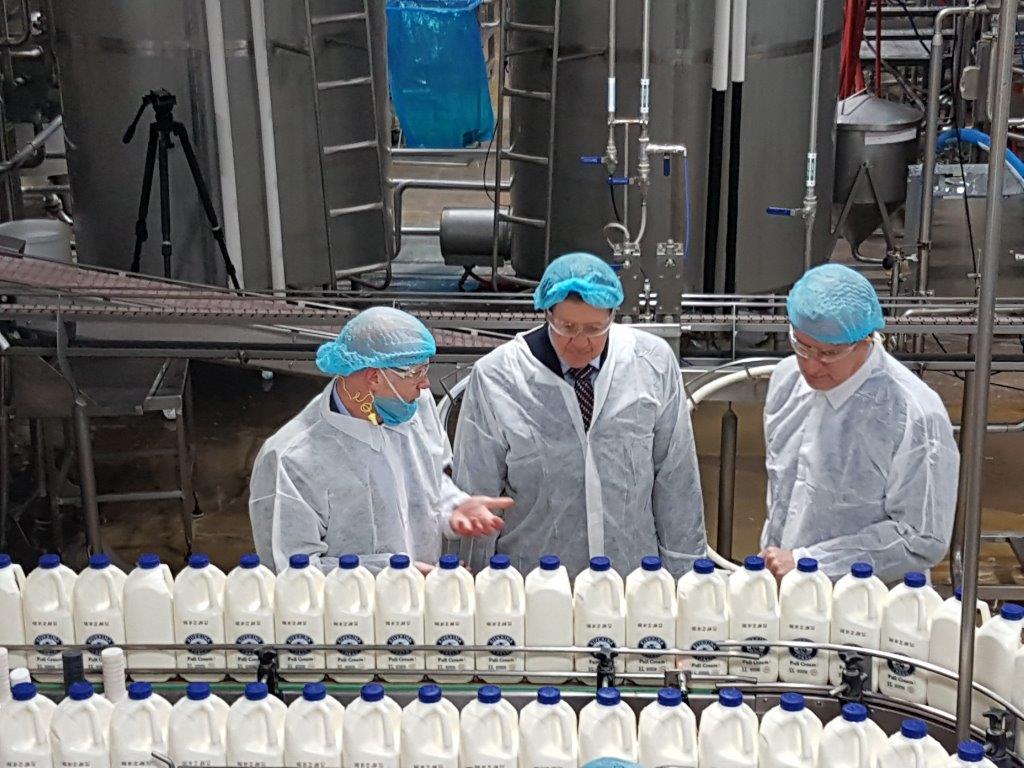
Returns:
(162,132)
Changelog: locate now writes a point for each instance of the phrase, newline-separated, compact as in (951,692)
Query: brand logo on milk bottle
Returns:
(757,650)
(803,654)
(450,640)
(501,641)
(600,642)
(652,643)
(198,638)
(901,668)
(400,640)
(299,639)
(704,645)
(42,641)
(248,639)
(99,642)
(349,640)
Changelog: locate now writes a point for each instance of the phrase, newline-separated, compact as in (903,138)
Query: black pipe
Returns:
(711,221)
(732,214)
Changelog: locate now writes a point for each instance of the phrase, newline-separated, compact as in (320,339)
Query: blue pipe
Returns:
(978,139)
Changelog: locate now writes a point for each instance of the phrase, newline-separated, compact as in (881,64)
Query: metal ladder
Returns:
(323,89)
(552,30)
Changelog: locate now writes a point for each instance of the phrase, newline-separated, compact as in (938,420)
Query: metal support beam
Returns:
(727,481)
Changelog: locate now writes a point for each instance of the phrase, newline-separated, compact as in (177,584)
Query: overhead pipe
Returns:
(719,85)
(976,426)
(268,144)
(739,75)
(810,209)
(611,153)
(225,140)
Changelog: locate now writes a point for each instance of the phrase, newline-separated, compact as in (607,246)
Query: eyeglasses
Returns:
(412,372)
(810,353)
(572,330)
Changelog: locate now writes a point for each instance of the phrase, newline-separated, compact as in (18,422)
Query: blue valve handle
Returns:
(591,160)
(618,181)
(777,211)
(666,166)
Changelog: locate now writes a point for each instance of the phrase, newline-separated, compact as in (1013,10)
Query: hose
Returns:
(982,140)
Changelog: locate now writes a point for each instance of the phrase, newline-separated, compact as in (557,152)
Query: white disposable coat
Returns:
(866,471)
(328,484)
(627,488)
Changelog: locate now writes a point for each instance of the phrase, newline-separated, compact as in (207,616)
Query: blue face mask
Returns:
(394,410)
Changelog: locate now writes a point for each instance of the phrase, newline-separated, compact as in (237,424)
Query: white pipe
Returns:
(720,52)
(269,146)
(739,41)
(225,142)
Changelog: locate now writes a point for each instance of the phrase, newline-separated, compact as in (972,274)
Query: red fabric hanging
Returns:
(851,75)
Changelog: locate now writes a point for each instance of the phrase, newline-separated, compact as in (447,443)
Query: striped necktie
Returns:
(584,385)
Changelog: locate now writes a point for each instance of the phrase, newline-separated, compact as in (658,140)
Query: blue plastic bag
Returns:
(438,73)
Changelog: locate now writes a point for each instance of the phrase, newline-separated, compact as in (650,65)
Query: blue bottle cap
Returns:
(1012,612)
(600,563)
(791,702)
(703,565)
(250,560)
(80,690)
(754,563)
(608,697)
(915,580)
(489,694)
(255,691)
(98,562)
(348,562)
(23,691)
(500,562)
(198,560)
(730,697)
(430,693)
(197,691)
(549,695)
(958,593)
(670,697)
(970,752)
(371,692)
(149,561)
(550,563)
(807,565)
(862,570)
(49,561)
(913,728)
(448,562)
(855,713)
(139,691)
(651,563)
(298,561)
(399,561)
(314,691)
(5,561)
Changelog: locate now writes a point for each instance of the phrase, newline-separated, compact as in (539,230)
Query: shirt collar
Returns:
(595,363)
(837,396)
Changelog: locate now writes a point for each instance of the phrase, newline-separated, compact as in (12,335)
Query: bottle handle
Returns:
(386,730)
(94,726)
(108,579)
(515,597)
(616,596)
(821,604)
(567,732)
(41,732)
(922,613)
(984,610)
(463,594)
(806,750)
(154,733)
(667,595)
(364,593)
(261,586)
(862,746)
(216,740)
(446,736)
(211,587)
(272,735)
(328,726)
(748,740)
(874,605)
(307,575)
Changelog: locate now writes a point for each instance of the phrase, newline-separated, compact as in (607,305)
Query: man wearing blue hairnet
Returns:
(862,465)
(584,424)
(362,469)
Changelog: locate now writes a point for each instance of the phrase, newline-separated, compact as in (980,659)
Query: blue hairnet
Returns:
(379,337)
(611,762)
(835,305)
(581,273)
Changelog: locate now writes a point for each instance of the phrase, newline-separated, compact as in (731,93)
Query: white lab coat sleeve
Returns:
(298,526)
(920,502)
(677,501)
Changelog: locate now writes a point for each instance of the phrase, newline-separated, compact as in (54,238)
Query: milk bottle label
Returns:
(751,633)
(399,632)
(44,635)
(498,634)
(198,632)
(349,632)
(652,638)
(599,635)
(706,665)
(296,635)
(243,632)
(902,677)
(450,636)
(803,662)
(100,635)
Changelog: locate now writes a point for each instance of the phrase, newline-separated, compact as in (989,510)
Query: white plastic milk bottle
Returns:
(906,624)
(500,618)
(703,623)
(547,732)
(398,618)
(197,728)
(430,731)
(790,735)
(12,618)
(199,616)
(851,740)
(667,733)
(248,613)
(48,613)
(805,608)
(98,607)
(299,619)
(25,729)
(753,617)
(970,754)
(371,734)
(944,650)
(449,619)
(912,747)
(139,727)
(607,728)
(728,733)
(549,620)
(995,646)
(255,729)
(651,614)
(348,617)
(79,729)
(857,604)
(491,728)
(149,616)
(599,611)
(312,729)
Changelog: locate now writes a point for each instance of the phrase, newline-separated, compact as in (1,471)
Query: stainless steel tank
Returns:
(776,118)
(883,136)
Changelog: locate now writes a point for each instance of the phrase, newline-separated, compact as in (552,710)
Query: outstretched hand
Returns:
(474,517)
